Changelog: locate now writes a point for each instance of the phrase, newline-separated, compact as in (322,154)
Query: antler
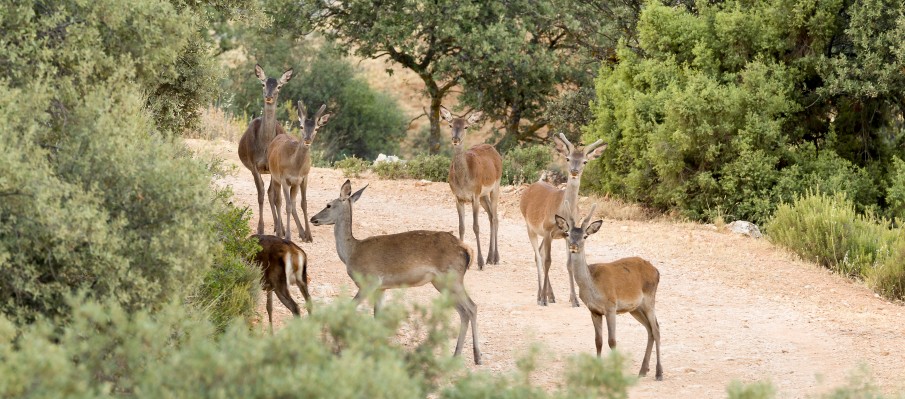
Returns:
(588,149)
(566,141)
(303,111)
(584,223)
(320,112)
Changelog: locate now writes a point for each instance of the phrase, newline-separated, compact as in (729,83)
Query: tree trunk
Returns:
(434,116)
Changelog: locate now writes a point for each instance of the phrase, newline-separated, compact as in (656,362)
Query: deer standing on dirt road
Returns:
(407,259)
(474,176)
(542,201)
(626,285)
(283,264)
(260,132)
(289,161)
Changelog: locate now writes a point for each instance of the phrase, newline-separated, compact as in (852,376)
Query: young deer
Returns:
(283,264)
(541,201)
(400,260)
(626,285)
(255,141)
(474,176)
(289,161)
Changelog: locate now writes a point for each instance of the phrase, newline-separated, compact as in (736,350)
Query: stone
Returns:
(747,228)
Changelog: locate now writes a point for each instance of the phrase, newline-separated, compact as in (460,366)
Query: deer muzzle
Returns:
(573,248)
(268,100)
(456,141)
(307,143)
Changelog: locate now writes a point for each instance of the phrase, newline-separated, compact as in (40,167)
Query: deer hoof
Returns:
(575,304)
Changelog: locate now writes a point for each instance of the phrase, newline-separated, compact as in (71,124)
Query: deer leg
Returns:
(304,187)
(294,193)
(477,229)
(273,208)
(475,338)
(611,326)
(378,301)
(259,184)
(274,193)
(286,298)
(642,318)
(460,208)
(597,321)
(655,329)
(289,204)
(541,297)
(548,289)
(572,297)
(492,257)
(303,287)
(270,309)
(495,227)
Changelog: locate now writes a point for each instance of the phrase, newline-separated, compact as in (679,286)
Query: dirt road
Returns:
(729,307)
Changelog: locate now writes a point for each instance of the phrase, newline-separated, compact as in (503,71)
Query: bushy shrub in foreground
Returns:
(827,229)
(336,352)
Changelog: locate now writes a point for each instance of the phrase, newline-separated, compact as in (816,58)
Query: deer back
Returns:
(411,258)
(626,281)
(272,258)
(483,168)
(287,157)
(539,203)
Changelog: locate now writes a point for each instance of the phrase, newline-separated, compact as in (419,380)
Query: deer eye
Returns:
(585,162)
(328,206)
(568,159)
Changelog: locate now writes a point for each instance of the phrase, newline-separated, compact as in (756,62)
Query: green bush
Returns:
(352,166)
(827,229)
(230,289)
(107,351)
(421,167)
(391,170)
(524,164)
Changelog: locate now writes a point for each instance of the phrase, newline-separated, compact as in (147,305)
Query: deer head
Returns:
(310,125)
(271,86)
(334,209)
(459,125)
(577,158)
(576,235)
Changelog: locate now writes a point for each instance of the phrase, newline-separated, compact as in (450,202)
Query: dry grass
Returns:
(217,124)
(616,209)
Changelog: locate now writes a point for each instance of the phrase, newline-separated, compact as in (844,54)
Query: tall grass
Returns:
(828,230)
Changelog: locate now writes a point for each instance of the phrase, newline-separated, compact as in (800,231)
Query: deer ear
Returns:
(323,120)
(259,72)
(593,227)
(475,117)
(286,76)
(562,224)
(345,190)
(357,194)
(445,114)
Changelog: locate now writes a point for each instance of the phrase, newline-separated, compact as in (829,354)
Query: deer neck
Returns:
(342,233)
(269,121)
(570,195)
(458,161)
(587,291)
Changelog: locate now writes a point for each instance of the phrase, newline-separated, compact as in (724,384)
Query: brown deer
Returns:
(626,285)
(283,264)
(541,201)
(474,176)
(255,141)
(289,161)
(408,259)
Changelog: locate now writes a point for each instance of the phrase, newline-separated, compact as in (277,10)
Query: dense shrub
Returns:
(524,164)
(422,167)
(731,108)
(827,229)
(352,166)
(230,289)
(107,351)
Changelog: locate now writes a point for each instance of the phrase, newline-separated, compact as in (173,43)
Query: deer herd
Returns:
(440,258)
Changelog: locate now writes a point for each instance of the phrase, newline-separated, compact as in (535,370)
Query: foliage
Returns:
(422,167)
(524,164)
(364,122)
(352,166)
(827,228)
(107,351)
(737,107)
(230,289)
(757,390)
(96,197)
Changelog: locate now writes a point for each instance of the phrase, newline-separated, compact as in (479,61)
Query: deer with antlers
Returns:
(626,285)
(474,176)
(261,131)
(542,201)
(283,264)
(289,161)
(408,259)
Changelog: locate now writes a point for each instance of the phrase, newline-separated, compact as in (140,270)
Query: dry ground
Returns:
(730,307)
